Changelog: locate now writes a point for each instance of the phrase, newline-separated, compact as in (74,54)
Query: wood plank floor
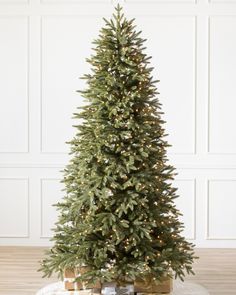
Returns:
(215,270)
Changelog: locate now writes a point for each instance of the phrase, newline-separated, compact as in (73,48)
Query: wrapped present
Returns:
(70,274)
(108,289)
(69,280)
(148,284)
(125,290)
(113,289)
(96,285)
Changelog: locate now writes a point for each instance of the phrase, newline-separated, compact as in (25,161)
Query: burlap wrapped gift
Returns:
(148,284)
(70,274)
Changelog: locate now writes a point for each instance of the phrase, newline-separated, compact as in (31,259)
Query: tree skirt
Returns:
(180,288)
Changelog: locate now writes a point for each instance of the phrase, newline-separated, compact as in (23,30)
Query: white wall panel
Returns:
(14,84)
(166,1)
(221,209)
(222,1)
(171,42)
(222,91)
(13,1)
(14,209)
(73,1)
(186,203)
(66,42)
(50,194)
(193,45)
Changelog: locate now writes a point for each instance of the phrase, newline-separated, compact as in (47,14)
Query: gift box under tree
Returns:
(70,282)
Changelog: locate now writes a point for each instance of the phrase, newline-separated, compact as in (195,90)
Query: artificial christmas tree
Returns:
(118,216)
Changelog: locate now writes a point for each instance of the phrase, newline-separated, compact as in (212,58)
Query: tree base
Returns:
(142,285)
(180,288)
(148,285)
(71,274)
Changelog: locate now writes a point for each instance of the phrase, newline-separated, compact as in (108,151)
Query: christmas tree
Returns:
(118,216)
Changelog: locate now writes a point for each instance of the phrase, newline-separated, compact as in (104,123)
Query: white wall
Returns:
(43,45)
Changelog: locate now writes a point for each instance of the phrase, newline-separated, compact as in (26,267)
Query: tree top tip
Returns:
(118,8)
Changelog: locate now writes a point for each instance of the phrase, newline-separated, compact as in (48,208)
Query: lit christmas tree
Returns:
(118,217)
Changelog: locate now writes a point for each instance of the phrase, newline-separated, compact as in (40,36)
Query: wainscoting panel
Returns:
(14,71)
(14,209)
(50,194)
(65,45)
(43,47)
(176,40)
(222,92)
(186,203)
(221,209)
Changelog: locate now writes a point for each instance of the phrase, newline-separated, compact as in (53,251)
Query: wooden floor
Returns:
(215,270)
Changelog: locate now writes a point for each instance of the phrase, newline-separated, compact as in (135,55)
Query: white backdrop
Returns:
(43,46)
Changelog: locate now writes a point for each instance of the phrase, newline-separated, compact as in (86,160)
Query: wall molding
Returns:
(7,2)
(194,143)
(208,236)
(27,235)
(194,99)
(75,2)
(209,88)
(27,18)
(167,1)
(42,236)
(221,1)
(42,18)
(194,228)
